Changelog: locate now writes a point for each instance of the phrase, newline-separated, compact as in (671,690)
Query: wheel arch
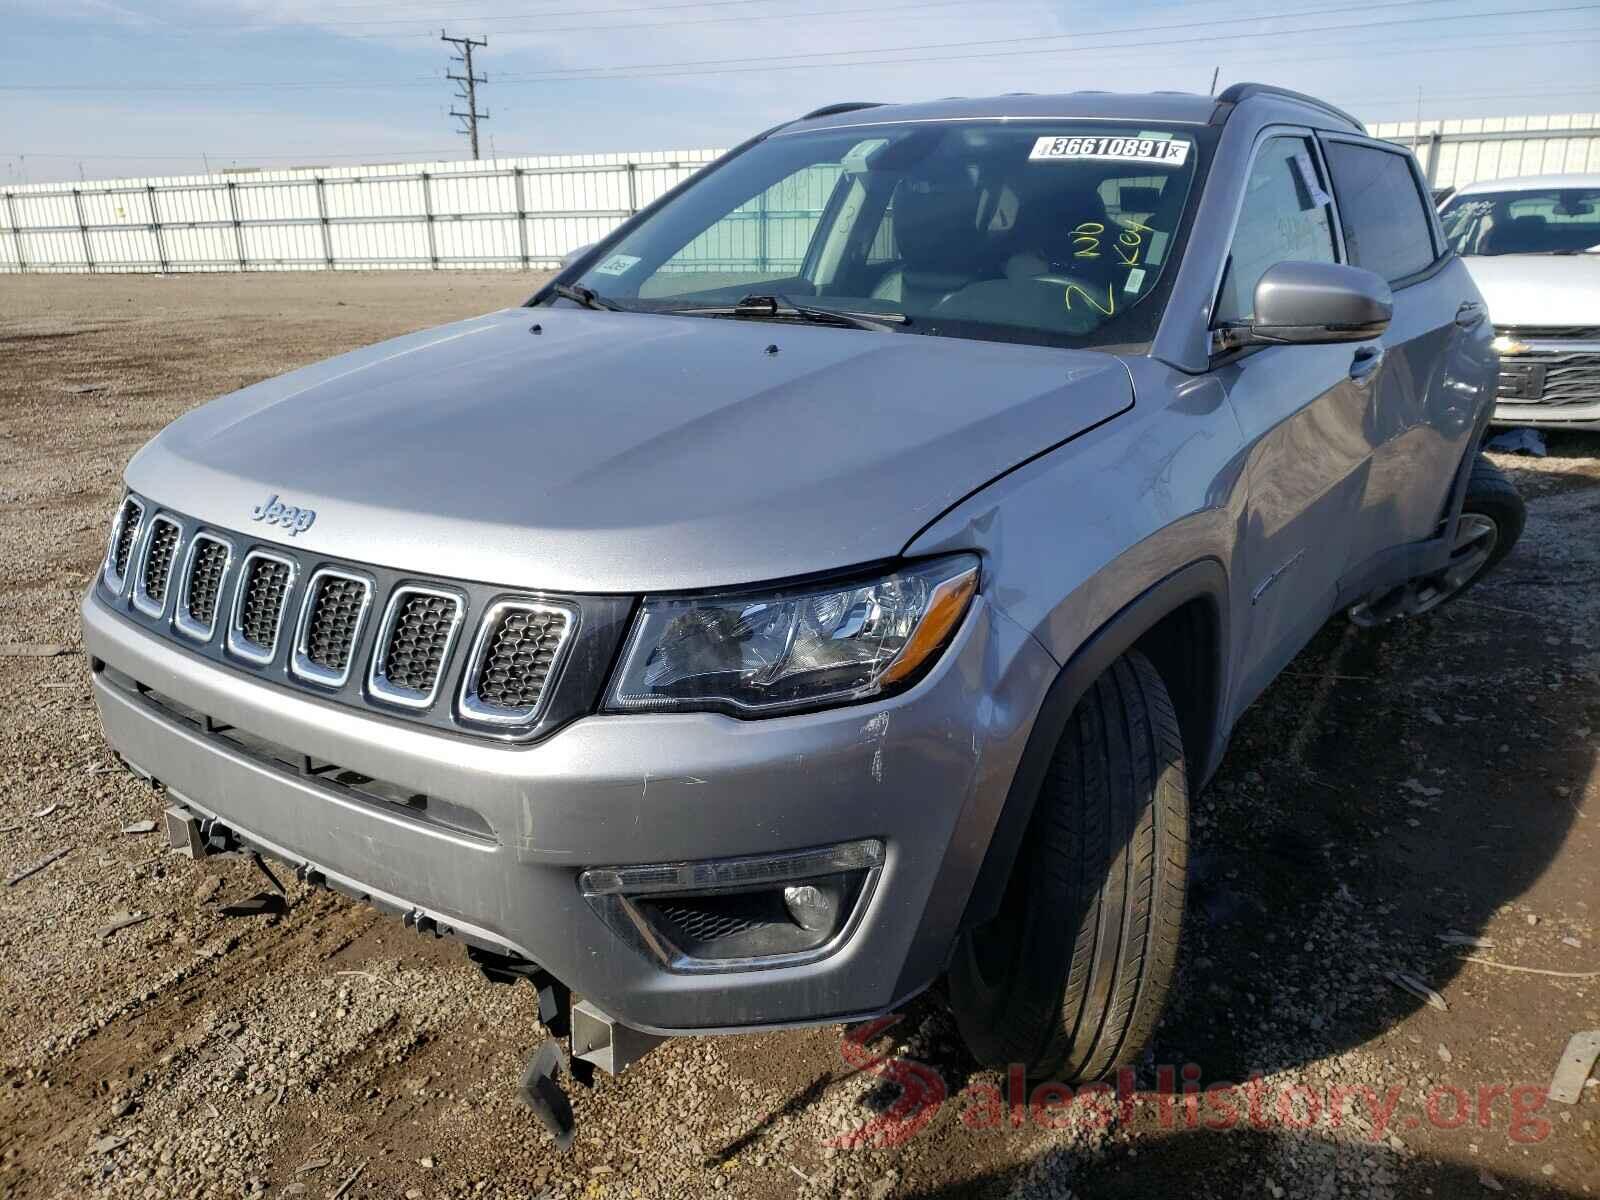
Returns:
(1180,624)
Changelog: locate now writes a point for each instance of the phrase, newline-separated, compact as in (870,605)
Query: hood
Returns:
(620,452)
(1539,289)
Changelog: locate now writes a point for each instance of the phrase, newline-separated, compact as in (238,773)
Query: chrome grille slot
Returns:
(1551,379)
(518,651)
(201,590)
(160,550)
(1560,332)
(124,536)
(330,626)
(265,581)
(414,645)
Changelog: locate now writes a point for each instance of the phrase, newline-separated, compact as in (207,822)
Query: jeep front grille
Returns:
(161,548)
(418,634)
(330,625)
(519,645)
(206,567)
(124,536)
(362,636)
(258,609)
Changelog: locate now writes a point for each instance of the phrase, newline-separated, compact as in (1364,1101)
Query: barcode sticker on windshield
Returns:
(617,264)
(1171,153)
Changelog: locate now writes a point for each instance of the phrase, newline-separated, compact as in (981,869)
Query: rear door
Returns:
(1420,417)
(1302,409)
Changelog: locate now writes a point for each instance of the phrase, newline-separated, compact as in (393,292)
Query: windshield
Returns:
(1546,221)
(1038,231)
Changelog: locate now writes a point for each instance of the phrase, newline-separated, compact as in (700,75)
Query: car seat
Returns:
(936,231)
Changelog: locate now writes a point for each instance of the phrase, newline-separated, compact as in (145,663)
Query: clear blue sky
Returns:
(135,87)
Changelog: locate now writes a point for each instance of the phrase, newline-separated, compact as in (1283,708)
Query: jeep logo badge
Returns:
(274,512)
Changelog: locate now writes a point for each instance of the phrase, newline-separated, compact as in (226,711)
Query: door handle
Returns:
(1469,314)
(1366,363)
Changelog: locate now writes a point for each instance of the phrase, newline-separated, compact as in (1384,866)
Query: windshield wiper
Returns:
(587,297)
(781,308)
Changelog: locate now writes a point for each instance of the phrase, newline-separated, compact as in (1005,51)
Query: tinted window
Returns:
(1385,225)
(1284,218)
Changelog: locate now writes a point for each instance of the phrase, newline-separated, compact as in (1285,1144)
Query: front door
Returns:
(1304,412)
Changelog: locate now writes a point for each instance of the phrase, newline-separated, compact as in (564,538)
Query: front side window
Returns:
(1386,227)
(1538,221)
(1284,218)
(1050,232)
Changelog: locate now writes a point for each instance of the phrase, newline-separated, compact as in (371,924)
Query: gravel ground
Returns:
(1391,791)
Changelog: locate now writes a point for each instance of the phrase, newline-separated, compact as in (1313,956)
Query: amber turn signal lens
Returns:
(946,607)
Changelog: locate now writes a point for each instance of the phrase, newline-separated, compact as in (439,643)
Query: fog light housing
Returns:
(735,914)
(810,906)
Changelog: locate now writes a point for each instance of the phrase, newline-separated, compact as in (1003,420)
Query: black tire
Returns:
(1491,494)
(1071,976)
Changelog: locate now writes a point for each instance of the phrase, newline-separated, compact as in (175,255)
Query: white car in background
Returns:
(1533,248)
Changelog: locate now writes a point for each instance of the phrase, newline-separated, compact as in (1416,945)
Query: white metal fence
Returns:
(528,212)
(1455,153)
(517,212)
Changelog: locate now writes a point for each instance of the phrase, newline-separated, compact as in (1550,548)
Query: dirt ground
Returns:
(1393,797)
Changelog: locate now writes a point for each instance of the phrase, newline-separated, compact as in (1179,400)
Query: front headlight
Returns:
(757,653)
(1506,344)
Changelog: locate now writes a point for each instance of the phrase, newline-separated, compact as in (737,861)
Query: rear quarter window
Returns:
(1386,226)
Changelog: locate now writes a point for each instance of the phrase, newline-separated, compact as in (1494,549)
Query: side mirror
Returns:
(1313,303)
(572,256)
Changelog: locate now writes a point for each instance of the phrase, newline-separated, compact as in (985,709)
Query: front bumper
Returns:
(1581,418)
(925,772)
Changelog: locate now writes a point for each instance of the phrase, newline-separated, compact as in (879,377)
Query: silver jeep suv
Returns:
(837,579)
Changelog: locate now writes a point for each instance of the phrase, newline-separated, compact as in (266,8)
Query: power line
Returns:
(542,14)
(871,11)
(560,72)
(787,62)
(469,86)
(784,63)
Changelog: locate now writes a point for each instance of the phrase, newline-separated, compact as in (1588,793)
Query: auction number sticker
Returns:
(617,264)
(1171,152)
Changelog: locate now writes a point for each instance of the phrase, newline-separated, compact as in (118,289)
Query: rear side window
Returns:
(1284,218)
(1386,227)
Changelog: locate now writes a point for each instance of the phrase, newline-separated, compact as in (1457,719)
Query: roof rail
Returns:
(1243,91)
(844,106)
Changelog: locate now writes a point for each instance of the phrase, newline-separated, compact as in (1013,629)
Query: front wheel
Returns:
(1070,977)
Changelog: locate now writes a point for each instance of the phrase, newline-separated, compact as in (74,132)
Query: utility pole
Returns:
(469,86)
